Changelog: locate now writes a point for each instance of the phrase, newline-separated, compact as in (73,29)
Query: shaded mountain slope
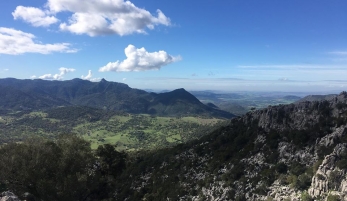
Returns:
(13,98)
(179,100)
(107,95)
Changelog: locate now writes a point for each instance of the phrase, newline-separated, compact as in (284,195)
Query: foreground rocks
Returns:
(8,196)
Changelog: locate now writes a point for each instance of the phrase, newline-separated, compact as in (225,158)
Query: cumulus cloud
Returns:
(34,16)
(16,42)
(87,77)
(140,60)
(94,17)
(59,76)
(90,77)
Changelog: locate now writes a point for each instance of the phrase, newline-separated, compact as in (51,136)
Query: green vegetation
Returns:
(333,198)
(128,131)
(63,169)
(306,197)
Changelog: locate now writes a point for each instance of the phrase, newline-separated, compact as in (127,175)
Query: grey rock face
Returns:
(329,178)
(8,196)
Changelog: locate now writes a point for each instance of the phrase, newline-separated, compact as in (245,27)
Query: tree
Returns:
(50,170)
(110,160)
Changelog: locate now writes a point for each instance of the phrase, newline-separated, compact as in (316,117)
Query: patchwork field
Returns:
(129,132)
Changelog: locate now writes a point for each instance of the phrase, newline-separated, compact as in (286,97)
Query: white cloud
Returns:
(34,16)
(87,77)
(140,60)
(95,17)
(59,76)
(124,79)
(16,42)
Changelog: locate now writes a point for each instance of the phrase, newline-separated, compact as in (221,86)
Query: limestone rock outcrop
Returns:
(8,196)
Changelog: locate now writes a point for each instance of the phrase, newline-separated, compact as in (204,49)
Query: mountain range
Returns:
(37,94)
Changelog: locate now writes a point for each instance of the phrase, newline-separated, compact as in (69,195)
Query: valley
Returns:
(129,132)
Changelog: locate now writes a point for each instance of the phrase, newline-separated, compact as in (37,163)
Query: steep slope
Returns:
(286,152)
(107,95)
(13,98)
(179,100)
(112,95)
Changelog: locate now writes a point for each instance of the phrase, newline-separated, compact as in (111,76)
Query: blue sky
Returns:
(234,45)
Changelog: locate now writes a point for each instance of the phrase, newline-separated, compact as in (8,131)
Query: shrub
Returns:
(292,180)
(297,169)
(261,190)
(342,164)
(303,182)
(333,198)
(335,179)
(305,196)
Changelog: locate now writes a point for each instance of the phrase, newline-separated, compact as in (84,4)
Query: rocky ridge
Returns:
(285,152)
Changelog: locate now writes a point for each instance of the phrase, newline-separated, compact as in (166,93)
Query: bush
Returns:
(306,197)
(261,190)
(303,182)
(342,164)
(333,198)
(335,179)
(297,169)
(292,180)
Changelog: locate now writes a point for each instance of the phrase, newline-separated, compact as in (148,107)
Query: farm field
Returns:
(130,132)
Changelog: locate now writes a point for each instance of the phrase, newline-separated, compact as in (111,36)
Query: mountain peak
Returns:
(180,89)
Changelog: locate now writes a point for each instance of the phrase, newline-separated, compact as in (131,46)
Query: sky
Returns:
(224,45)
